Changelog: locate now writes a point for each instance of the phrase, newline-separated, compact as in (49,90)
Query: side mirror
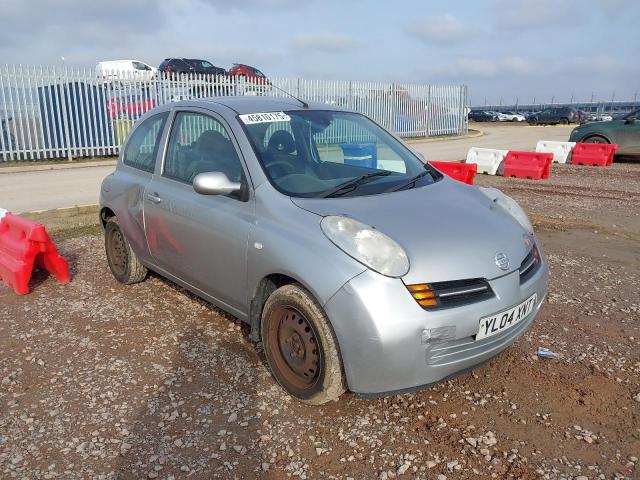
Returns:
(214,183)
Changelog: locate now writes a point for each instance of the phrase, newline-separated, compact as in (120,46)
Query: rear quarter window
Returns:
(141,149)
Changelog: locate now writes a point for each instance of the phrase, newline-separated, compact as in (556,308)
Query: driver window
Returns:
(198,144)
(348,143)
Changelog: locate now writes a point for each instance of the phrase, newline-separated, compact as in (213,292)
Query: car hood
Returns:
(449,230)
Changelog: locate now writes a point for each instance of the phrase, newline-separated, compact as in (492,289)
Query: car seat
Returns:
(281,149)
(215,153)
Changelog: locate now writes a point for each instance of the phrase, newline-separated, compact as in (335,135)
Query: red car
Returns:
(129,106)
(248,72)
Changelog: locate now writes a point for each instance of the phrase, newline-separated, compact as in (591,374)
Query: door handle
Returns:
(153,197)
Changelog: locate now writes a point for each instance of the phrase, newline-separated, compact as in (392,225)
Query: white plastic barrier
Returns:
(487,159)
(561,150)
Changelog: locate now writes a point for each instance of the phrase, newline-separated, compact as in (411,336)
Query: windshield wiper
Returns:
(402,186)
(351,185)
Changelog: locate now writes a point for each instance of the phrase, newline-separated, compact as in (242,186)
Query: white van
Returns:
(123,70)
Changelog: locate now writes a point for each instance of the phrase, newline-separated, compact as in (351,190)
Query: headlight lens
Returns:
(366,245)
(509,205)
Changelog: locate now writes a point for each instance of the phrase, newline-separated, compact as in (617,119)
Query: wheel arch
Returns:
(263,289)
(105,214)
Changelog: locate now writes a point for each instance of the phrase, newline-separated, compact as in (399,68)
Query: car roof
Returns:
(249,104)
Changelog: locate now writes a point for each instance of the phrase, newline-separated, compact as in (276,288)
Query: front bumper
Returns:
(389,343)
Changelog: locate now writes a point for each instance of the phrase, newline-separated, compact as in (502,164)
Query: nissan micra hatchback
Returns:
(356,264)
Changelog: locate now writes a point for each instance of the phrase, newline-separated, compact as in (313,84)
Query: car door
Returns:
(628,133)
(201,240)
(132,175)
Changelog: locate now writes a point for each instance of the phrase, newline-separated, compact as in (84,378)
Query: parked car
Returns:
(190,66)
(511,117)
(481,116)
(124,70)
(248,72)
(129,106)
(555,115)
(276,211)
(624,131)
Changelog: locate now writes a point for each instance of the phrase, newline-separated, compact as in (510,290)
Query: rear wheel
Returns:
(123,262)
(564,121)
(300,346)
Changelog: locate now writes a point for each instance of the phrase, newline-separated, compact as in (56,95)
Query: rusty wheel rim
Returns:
(295,350)
(117,251)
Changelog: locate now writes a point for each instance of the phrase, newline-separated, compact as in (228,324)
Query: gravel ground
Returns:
(101,380)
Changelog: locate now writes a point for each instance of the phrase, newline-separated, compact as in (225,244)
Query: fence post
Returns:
(391,108)
(429,111)
(462,107)
(65,123)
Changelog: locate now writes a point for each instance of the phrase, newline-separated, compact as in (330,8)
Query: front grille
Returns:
(455,293)
(530,265)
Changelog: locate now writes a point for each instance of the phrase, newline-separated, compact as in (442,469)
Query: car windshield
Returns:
(319,153)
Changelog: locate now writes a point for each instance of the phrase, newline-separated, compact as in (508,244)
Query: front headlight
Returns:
(366,245)
(509,205)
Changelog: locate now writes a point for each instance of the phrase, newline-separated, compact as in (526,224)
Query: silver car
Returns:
(355,264)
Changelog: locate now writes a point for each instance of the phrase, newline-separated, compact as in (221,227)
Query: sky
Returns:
(504,50)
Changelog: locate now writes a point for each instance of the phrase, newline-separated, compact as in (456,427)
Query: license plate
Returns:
(502,321)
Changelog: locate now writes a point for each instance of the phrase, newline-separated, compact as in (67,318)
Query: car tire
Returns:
(564,121)
(123,262)
(300,346)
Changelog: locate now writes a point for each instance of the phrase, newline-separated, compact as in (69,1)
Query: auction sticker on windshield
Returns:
(251,118)
(501,321)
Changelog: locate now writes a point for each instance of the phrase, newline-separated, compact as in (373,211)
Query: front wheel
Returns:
(300,346)
(564,121)
(123,262)
(595,139)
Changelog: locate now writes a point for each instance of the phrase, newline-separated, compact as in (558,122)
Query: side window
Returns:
(198,144)
(140,66)
(141,149)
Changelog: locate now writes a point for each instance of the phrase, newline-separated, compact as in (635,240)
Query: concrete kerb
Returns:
(65,218)
(471,134)
(35,167)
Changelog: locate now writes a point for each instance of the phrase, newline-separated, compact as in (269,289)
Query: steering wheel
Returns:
(286,166)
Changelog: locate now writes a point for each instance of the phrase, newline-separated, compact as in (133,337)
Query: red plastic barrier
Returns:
(593,154)
(23,246)
(534,165)
(463,172)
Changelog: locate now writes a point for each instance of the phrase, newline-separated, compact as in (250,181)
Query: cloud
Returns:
(439,29)
(531,15)
(324,42)
(255,6)
(468,68)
